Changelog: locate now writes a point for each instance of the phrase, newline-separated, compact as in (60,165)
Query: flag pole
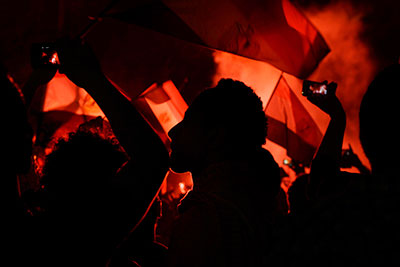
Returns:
(95,20)
(273,92)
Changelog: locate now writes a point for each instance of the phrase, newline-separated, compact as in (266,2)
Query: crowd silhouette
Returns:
(97,203)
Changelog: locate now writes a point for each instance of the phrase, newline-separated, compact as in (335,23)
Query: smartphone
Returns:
(311,87)
(287,162)
(44,55)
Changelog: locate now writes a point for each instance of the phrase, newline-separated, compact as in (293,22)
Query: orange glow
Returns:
(166,103)
(62,94)
(176,186)
(182,187)
(54,59)
(263,78)
(350,63)
(260,76)
(163,107)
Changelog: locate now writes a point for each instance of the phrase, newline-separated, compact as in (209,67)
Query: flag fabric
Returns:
(63,95)
(59,108)
(290,125)
(272,31)
(163,107)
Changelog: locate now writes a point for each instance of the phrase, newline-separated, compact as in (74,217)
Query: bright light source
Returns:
(182,188)
(54,59)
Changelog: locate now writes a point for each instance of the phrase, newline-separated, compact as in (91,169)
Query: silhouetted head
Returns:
(379,113)
(222,122)
(79,171)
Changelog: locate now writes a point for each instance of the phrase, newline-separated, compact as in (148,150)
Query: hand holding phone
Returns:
(44,55)
(318,88)
(323,95)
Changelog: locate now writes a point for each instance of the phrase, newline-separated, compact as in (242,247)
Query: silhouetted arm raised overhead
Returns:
(148,156)
(325,166)
(80,65)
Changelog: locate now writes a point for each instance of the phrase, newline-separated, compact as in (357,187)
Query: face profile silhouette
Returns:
(222,122)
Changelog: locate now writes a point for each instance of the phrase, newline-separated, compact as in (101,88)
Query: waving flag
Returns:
(271,31)
(290,125)
(163,107)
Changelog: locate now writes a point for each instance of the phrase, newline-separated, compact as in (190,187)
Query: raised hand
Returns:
(328,103)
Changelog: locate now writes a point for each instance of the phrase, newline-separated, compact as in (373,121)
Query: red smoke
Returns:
(349,64)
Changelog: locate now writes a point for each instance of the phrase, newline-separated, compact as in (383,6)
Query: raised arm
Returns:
(325,166)
(80,65)
(148,157)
